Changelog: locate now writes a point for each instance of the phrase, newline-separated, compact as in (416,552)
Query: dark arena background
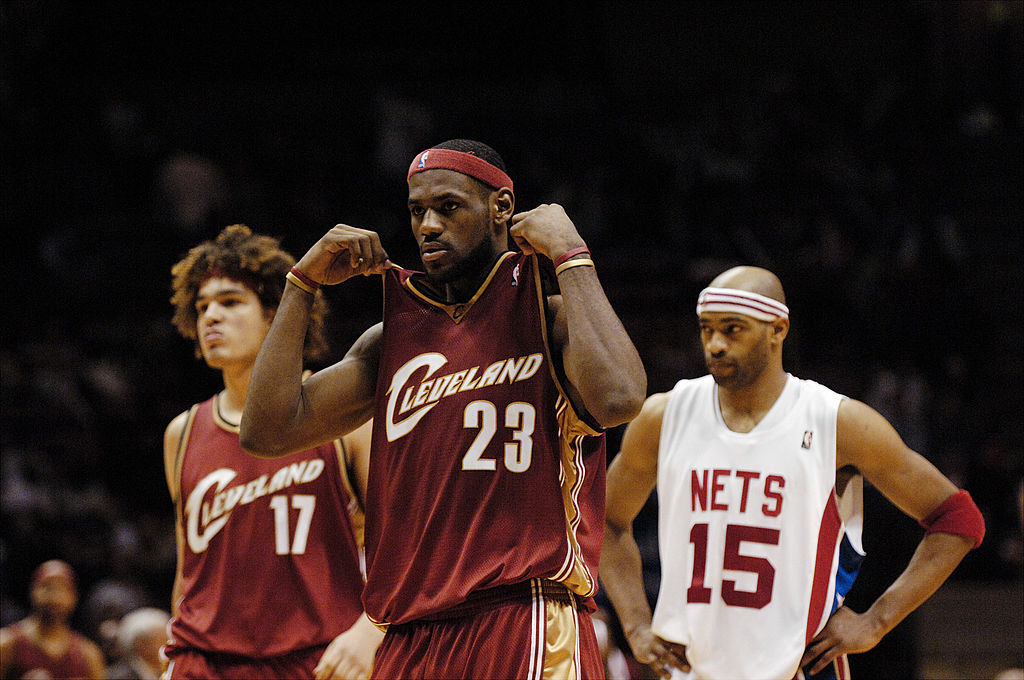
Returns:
(870,153)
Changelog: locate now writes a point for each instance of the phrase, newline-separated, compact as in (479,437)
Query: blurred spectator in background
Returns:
(140,636)
(104,605)
(42,645)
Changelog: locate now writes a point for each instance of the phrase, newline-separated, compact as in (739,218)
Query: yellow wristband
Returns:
(302,285)
(582,262)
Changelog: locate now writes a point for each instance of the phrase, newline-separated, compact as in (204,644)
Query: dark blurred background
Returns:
(870,153)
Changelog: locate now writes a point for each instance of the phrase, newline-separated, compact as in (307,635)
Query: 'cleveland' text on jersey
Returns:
(269,552)
(481,473)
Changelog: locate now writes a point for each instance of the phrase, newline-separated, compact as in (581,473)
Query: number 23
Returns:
(520,417)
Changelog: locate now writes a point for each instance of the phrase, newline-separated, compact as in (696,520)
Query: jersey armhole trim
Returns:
(179,455)
(587,423)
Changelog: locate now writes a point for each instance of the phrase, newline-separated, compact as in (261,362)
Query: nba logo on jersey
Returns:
(515,276)
(423,159)
(806,444)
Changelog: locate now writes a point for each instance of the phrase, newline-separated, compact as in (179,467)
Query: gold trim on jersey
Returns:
(574,572)
(542,303)
(179,513)
(179,455)
(457,312)
(354,508)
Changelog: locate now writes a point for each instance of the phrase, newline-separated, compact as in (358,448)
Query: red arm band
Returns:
(957,515)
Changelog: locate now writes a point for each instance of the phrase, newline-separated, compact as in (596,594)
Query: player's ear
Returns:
(780,329)
(503,204)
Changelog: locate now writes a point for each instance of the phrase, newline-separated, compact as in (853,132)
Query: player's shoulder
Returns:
(855,415)
(687,387)
(175,429)
(177,424)
(368,343)
(816,389)
(652,412)
(655,404)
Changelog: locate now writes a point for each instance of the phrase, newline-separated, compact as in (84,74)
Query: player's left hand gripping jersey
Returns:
(481,473)
(270,561)
(756,548)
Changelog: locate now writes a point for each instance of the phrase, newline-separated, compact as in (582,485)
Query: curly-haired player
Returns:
(268,578)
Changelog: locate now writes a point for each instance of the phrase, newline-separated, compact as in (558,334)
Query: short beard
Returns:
(750,370)
(477,260)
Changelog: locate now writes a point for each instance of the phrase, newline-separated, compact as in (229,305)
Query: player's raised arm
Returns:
(598,356)
(283,413)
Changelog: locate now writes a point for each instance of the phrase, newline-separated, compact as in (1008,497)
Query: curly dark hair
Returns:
(254,260)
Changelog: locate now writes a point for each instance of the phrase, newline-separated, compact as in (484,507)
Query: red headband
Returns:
(459,161)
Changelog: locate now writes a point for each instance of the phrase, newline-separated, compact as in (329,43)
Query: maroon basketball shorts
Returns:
(190,664)
(541,631)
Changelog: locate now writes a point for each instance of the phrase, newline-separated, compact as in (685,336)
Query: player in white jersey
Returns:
(759,482)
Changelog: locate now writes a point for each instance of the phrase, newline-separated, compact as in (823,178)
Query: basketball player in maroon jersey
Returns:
(42,645)
(268,578)
(490,382)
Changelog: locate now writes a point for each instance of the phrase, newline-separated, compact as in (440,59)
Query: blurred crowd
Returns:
(878,172)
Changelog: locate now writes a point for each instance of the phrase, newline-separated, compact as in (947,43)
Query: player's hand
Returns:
(846,632)
(350,655)
(660,655)
(342,253)
(546,230)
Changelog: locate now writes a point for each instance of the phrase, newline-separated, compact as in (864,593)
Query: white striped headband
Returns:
(741,302)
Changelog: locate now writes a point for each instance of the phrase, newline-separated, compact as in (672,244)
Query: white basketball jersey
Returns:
(749,529)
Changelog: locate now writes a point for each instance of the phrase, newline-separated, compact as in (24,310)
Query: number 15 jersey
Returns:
(750,529)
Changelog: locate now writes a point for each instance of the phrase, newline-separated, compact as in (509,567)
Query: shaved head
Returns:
(752,280)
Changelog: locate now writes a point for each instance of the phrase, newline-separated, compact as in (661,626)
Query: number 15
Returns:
(735,534)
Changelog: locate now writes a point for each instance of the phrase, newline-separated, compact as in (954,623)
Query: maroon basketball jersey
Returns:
(481,473)
(31,661)
(269,558)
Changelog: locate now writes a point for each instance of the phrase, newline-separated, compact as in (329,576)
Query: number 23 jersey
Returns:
(481,474)
(749,529)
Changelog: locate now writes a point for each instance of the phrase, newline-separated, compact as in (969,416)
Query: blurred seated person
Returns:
(140,636)
(43,645)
